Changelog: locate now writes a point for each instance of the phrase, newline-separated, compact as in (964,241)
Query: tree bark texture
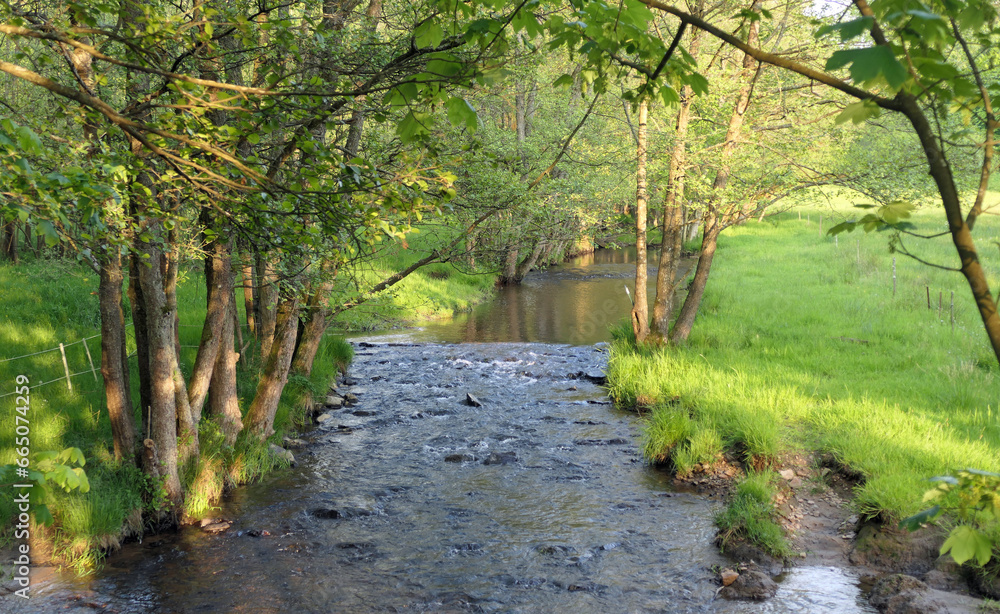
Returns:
(223,403)
(260,416)
(218,273)
(268,284)
(161,351)
(673,217)
(640,310)
(114,363)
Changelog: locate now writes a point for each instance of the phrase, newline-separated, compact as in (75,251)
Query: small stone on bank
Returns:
(728,576)
(787,474)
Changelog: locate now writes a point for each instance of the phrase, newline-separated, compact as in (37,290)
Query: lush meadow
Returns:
(802,344)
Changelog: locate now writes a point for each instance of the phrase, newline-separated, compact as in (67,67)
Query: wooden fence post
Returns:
(91,361)
(62,350)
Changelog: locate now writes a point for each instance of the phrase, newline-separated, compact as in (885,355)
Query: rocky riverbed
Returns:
(451,478)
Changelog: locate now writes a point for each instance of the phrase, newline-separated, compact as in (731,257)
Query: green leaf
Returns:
(842,227)
(917,520)
(42,514)
(847,29)
(461,112)
(895,211)
(858,112)
(49,231)
(868,64)
(966,542)
(413,126)
(563,81)
(428,34)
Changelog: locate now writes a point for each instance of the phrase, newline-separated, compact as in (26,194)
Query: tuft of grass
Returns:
(666,428)
(703,447)
(749,516)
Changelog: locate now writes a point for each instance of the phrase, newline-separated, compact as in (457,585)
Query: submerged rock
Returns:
(281,453)
(501,458)
(459,458)
(751,585)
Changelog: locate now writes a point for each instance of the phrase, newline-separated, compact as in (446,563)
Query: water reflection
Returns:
(573,303)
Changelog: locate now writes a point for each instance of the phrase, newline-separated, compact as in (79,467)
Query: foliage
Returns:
(976,499)
(64,469)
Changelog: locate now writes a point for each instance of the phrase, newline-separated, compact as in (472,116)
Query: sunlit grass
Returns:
(749,516)
(801,343)
(435,291)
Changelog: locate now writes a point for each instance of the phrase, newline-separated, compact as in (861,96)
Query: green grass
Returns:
(48,302)
(432,292)
(749,516)
(801,344)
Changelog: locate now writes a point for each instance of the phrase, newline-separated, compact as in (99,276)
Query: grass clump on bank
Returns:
(801,343)
(750,516)
(48,302)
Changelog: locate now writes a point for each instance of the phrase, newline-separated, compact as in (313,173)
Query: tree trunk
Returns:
(685,320)
(163,402)
(223,402)
(260,416)
(10,241)
(114,365)
(218,273)
(139,328)
(187,429)
(248,296)
(268,283)
(525,266)
(712,219)
(961,234)
(317,314)
(640,310)
(509,274)
(673,218)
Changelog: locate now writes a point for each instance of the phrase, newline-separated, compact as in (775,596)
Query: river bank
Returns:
(873,388)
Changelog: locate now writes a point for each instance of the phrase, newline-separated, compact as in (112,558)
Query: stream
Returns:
(492,476)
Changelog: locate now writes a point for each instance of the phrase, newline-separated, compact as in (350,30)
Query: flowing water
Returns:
(528,496)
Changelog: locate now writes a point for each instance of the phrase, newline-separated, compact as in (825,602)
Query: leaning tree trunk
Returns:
(260,416)
(685,320)
(713,221)
(640,310)
(317,314)
(114,363)
(525,266)
(218,282)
